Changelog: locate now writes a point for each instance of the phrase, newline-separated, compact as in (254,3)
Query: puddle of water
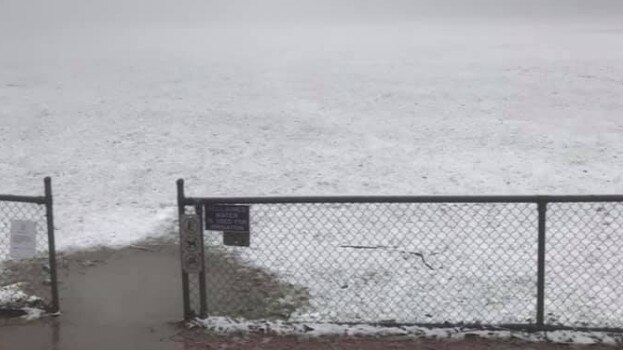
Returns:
(111,299)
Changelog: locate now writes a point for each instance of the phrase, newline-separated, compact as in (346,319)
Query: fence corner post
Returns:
(185,284)
(540,308)
(49,213)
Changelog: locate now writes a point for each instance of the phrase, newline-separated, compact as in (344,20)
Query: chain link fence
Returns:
(584,265)
(524,262)
(393,262)
(27,255)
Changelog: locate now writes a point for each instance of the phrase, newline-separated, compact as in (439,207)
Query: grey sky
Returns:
(42,13)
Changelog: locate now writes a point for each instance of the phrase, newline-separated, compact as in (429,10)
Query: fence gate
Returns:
(519,262)
(27,253)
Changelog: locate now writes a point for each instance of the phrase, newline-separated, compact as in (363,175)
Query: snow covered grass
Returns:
(12,296)
(116,114)
(223,325)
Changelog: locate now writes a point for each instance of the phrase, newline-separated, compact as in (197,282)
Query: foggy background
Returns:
(33,15)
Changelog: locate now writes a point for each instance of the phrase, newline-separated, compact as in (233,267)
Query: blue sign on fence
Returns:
(230,218)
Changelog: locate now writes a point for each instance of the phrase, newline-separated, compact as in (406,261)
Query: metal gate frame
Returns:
(48,201)
(540,200)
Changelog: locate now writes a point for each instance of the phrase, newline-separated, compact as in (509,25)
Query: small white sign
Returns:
(23,239)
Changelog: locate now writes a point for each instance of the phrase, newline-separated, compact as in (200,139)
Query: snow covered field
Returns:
(117,101)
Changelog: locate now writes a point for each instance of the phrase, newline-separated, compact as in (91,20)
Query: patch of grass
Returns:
(237,290)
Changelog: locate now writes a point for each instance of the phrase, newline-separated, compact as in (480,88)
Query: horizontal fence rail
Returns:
(405,199)
(515,262)
(22,199)
(28,277)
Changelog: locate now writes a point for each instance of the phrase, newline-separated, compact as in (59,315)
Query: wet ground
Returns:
(110,299)
(131,299)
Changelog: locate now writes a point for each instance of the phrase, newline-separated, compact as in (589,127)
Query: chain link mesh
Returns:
(433,263)
(584,264)
(380,262)
(24,282)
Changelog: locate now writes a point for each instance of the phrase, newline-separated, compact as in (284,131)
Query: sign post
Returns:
(191,243)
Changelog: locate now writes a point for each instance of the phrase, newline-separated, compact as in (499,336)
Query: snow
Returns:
(12,296)
(224,325)
(116,104)
(32,313)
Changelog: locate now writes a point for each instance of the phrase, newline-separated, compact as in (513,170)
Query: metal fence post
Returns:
(49,213)
(185,288)
(203,303)
(540,305)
